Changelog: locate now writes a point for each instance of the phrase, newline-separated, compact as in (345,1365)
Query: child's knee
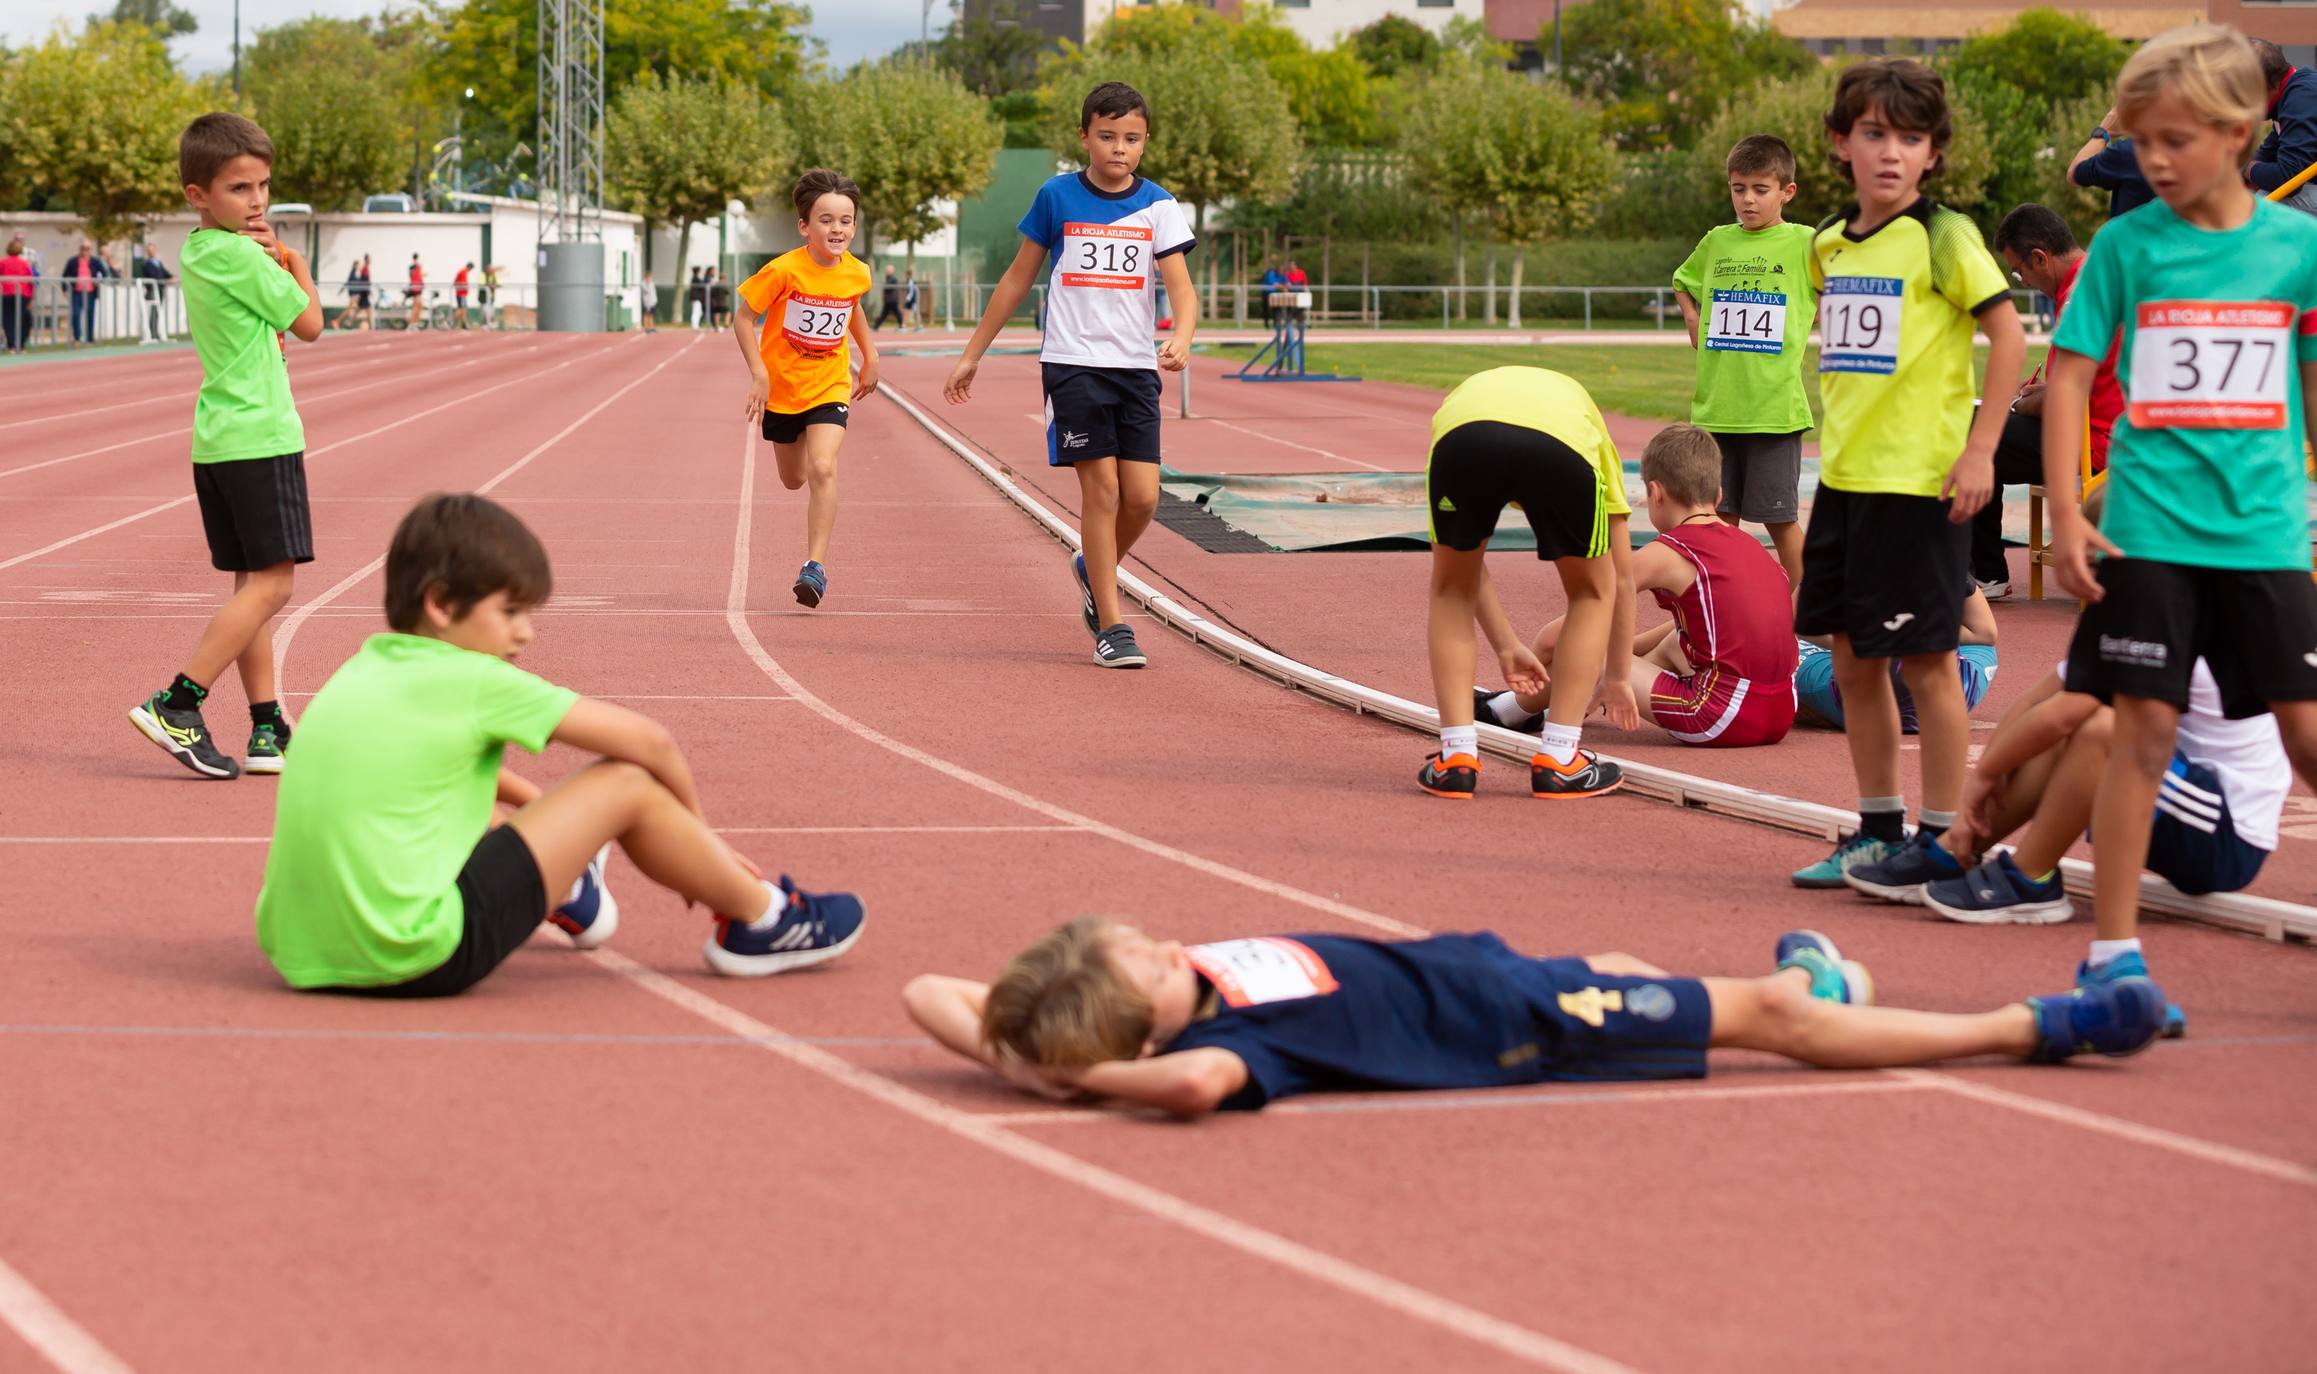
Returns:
(1140,504)
(1100,492)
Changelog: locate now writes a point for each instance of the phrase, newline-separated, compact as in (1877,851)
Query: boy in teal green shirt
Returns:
(1746,294)
(243,287)
(386,876)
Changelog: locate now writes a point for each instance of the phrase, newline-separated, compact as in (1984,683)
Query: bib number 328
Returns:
(1858,325)
(815,323)
(2211,364)
(1106,257)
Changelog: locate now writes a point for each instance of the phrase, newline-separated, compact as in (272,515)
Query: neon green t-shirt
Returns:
(395,769)
(1755,304)
(2204,466)
(1896,311)
(238,300)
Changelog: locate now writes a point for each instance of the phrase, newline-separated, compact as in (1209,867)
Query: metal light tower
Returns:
(570,264)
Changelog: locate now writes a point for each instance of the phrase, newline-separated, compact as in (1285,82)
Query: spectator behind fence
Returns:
(2106,162)
(1272,282)
(909,318)
(2292,142)
(358,308)
(16,277)
(82,271)
(892,303)
(696,296)
(719,299)
(153,278)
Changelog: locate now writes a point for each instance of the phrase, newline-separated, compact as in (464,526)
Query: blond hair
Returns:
(1062,1003)
(2210,67)
(1685,461)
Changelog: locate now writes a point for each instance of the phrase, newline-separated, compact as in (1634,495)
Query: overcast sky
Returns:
(852,29)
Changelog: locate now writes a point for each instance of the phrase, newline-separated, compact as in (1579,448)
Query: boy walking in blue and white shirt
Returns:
(1111,234)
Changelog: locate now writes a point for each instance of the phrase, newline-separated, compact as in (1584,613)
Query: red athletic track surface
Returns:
(619,1161)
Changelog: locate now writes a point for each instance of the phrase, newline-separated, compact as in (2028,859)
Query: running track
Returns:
(617,1161)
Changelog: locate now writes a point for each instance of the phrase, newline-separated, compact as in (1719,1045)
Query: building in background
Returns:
(1868,27)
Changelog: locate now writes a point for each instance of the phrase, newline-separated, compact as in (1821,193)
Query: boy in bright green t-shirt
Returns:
(1746,294)
(387,876)
(243,288)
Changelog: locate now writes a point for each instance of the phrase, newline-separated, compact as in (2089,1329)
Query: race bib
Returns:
(1248,973)
(816,323)
(1858,325)
(1746,322)
(1106,257)
(2211,365)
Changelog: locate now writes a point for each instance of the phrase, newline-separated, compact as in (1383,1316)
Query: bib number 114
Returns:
(1746,322)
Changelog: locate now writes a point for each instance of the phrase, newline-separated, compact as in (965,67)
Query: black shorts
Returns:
(2256,630)
(1100,412)
(504,899)
(255,513)
(1889,571)
(1761,477)
(787,429)
(1478,469)
(1609,1027)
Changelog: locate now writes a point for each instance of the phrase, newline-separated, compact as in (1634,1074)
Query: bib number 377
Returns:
(2211,365)
(1858,324)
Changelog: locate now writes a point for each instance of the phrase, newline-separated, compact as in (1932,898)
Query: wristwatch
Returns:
(2101,133)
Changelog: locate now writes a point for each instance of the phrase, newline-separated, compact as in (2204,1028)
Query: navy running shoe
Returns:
(1900,877)
(1115,648)
(801,929)
(1853,851)
(1997,894)
(812,583)
(589,914)
(2115,1019)
(2124,968)
(1085,594)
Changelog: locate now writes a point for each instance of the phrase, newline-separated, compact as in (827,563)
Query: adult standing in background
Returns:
(153,278)
(892,303)
(16,278)
(719,299)
(696,296)
(648,297)
(1272,282)
(358,310)
(2292,142)
(82,271)
(487,296)
(2106,162)
(909,300)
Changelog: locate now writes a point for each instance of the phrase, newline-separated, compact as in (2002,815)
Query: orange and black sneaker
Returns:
(1455,776)
(1583,776)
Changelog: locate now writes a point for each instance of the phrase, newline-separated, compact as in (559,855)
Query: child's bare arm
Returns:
(1012,289)
(864,339)
(1971,481)
(1183,300)
(748,328)
(1978,619)
(1657,568)
(308,325)
(516,790)
(950,1010)
(1689,315)
(2068,391)
(1624,966)
(1187,1084)
(618,733)
(1616,690)
(2036,722)
(1523,670)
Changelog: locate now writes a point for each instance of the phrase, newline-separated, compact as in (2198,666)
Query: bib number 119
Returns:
(1858,324)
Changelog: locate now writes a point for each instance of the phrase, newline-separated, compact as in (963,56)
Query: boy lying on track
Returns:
(1099,1007)
(386,876)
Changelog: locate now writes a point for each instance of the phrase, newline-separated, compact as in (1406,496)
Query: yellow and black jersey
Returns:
(1548,402)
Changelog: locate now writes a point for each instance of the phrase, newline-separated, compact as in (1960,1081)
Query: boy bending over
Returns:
(1099,1007)
(385,876)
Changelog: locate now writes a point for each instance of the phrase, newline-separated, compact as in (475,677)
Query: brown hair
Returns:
(1913,99)
(462,547)
(1111,100)
(818,182)
(1762,155)
(215,139)
(2210,67)
(1685,461)
(1062,1003)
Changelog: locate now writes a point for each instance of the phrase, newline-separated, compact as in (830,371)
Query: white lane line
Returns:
(319,372)
(2212,1152)
(70,540)
(1290,443)
(736,616)
(1563,1095)
(1406,1299)
(288,634)
(58,1338)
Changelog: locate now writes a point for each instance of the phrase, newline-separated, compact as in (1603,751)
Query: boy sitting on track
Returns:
(1112,234)
(1721,672)
(1819,698)
(1526,437)
(385,877)
(242,287)
(1098,1007)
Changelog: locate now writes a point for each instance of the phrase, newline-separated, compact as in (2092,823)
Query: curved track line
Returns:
(1406,1299)
(319,370)
(44,1327)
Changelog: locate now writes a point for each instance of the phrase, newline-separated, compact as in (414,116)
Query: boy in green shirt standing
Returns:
(243,287)
(1746,294)
(386,876)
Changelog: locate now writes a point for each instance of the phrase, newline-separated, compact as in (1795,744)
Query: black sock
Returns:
(184,694)
(1888,826)
(267,713)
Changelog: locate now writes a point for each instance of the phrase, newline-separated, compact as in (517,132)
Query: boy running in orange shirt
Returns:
(802,384)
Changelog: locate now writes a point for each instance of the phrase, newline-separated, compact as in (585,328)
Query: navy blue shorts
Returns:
(1614,1028)
(1100,412)
(2194,844)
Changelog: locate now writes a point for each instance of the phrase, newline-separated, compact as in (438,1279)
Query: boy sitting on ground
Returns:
(1721,672)
(385,876)
(1099,1007)
(1819,698)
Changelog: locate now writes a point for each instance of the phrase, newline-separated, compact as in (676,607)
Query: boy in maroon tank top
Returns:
(1721,672)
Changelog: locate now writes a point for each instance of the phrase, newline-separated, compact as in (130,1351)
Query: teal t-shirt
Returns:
(1755,307)
(2205,465)
(395,768)
(238,300)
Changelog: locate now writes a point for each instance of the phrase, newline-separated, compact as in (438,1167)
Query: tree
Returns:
(1394,46)
(911,135)
(93,121)
(681,150)
(330,96)
(1330,93)
(1661,69)
(2040,53)
(1518,152)
(169,18)
(993,47)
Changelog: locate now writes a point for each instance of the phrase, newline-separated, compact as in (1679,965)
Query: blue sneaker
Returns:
(812,583)
(2125,968)
(590,914)
(2111,1018)
(801,929)
(1085,594)
(1997,894)
(1900,878)
(1832,977)
(1854,850)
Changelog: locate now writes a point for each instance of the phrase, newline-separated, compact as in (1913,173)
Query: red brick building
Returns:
(1830,27)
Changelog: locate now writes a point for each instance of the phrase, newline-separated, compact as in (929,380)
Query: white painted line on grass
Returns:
(44,1326)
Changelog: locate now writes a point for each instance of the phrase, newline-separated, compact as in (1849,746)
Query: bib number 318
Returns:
(1108,257)
(1858,325)
(2211,364)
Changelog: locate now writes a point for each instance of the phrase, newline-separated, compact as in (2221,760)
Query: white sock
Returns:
(775,907)
(1561,742)
(1459,739)
(2104,951)
(1506,707)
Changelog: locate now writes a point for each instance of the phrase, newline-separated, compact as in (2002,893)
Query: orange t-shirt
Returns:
(807,309)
